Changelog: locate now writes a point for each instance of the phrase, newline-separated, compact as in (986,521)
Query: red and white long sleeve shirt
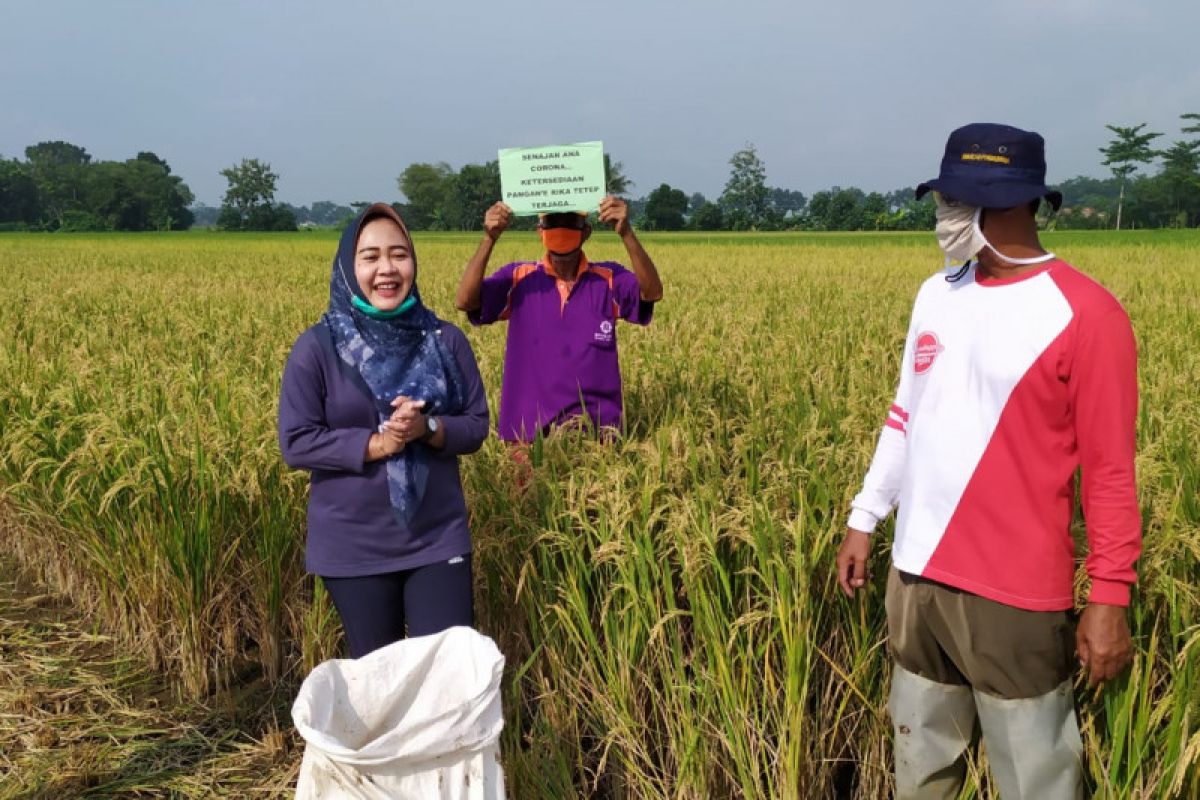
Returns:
(1007,387)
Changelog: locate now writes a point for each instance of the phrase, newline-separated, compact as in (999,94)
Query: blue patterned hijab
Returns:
(398,355)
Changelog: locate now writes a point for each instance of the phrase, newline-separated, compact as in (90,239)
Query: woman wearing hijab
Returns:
(379,399)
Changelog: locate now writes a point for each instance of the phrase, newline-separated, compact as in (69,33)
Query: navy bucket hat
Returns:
(993,166)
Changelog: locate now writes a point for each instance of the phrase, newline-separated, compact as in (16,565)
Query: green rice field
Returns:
(667,604)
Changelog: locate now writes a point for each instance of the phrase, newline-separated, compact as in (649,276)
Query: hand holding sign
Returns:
(497,219)
(539,180)
(615,211)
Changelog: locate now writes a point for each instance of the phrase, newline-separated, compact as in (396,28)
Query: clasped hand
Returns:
(407,423)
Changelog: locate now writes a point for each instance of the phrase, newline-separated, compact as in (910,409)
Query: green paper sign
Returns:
(564,177)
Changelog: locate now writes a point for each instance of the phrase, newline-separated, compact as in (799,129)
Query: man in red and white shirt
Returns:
(1018,370)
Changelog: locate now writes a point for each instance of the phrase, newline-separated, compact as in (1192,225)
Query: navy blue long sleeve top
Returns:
(326,418)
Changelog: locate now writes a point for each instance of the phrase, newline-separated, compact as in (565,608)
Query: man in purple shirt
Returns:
(560,362)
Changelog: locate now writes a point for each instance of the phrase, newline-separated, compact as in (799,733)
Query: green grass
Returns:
(666,604)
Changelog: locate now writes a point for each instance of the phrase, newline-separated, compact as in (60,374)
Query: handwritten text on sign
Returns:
(568,177)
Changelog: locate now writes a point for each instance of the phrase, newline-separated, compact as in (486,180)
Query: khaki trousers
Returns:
(962,659)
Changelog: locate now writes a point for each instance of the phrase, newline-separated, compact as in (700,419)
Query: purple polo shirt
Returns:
(561,358)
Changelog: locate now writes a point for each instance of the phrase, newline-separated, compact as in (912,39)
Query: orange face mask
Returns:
(562,240)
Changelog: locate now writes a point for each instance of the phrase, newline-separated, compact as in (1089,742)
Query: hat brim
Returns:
(990,194)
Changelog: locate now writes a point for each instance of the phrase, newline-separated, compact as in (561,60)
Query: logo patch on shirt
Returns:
(605,334)
(927,350)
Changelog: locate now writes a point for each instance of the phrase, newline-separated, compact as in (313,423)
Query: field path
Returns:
(80,719)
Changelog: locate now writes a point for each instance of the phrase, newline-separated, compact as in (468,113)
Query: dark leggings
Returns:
(376,608)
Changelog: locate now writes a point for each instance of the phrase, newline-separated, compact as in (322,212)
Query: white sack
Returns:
(420,718)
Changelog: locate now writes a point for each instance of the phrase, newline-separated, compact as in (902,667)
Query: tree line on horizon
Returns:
(59,187)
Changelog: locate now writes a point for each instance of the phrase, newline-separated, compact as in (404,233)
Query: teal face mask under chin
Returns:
(374,313)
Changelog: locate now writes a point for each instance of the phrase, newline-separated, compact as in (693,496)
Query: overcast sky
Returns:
(339,96)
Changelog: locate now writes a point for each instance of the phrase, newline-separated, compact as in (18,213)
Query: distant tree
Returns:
(817,212)
(151,158)
(427,187)
(301,215)
(317,210)
(785,202)
(18,194)
(1087,202)
(695,202)
(57,170)
(204,216)
(164,197)
(140,194)
(1083,190)
(707,217)
(471,193)
(919,215)
(899,198)
(1182,159)
(56,154)
(326,212)
(744,200)
(1181,173)
(845,210)
(112,199)
(357,207)
(637,213)
(1194,128)
(665,208)
(251,184)
(1122,155)
(874,212)
(248,204)
(270,217)
(1179,183)
(614,177)
(228,219)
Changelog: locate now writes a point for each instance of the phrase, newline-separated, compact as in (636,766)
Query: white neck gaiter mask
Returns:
(961,238)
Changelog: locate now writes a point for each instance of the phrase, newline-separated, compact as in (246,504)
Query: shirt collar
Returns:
(548,266)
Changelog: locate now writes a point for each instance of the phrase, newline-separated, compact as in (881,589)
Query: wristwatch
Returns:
(432,426)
